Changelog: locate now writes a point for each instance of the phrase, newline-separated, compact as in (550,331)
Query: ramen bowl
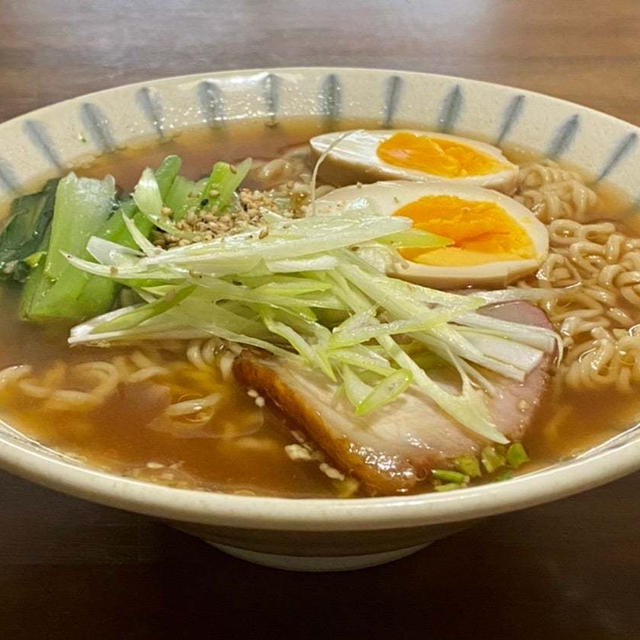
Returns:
(316,534)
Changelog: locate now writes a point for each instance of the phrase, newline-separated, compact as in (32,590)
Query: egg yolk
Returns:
(481,232)
(437,156)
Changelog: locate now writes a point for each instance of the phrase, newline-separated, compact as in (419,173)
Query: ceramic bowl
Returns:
(316,534)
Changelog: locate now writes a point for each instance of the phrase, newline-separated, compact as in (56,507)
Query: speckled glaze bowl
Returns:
(316,534)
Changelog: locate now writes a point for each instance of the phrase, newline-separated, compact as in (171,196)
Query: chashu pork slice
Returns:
(395,446)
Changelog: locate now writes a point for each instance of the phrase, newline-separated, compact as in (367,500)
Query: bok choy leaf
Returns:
(26,232)
(57,289)
(223,183)
(84,208)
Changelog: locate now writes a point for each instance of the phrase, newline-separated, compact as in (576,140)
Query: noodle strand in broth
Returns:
(595,269)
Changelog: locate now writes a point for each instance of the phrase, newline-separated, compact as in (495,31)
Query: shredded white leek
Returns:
(303,292)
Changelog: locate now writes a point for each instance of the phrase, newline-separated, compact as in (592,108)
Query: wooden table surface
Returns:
(71,569)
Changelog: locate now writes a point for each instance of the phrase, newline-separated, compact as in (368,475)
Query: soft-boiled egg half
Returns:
(367,156)
(493,239)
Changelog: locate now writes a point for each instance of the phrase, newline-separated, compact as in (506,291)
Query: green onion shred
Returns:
(516,455)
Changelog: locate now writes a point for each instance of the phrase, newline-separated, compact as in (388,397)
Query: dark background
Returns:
(571,569)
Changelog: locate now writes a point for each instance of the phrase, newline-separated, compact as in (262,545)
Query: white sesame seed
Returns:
(331,472)
(297,452)
(298,435)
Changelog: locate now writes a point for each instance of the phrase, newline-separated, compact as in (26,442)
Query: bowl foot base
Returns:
(318,563)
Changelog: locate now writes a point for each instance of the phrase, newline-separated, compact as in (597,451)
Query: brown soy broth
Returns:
(200,148)
(112,440)
(108,438)
(578,421)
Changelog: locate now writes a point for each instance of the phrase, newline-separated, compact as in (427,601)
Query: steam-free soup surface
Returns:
(235,451)
(118,436)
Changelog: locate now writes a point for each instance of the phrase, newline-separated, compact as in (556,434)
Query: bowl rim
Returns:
(319,514)
(249,71)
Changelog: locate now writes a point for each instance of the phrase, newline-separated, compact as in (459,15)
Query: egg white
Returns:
(389,196)
(356,158)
